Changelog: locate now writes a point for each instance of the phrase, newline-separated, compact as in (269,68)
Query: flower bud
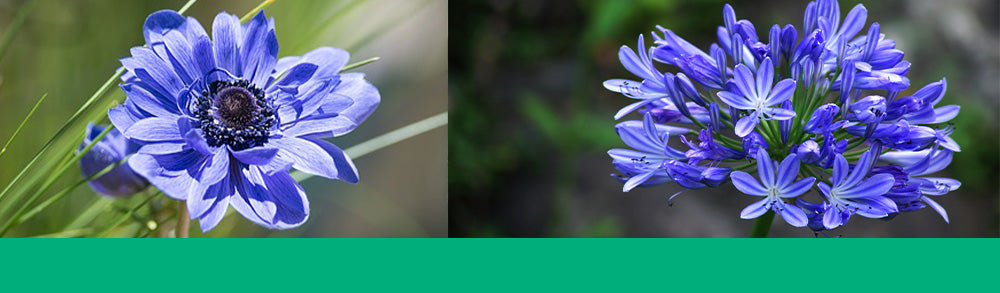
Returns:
(120,181)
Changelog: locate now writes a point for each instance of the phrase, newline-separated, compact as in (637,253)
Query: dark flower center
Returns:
(234,113)
(236,107)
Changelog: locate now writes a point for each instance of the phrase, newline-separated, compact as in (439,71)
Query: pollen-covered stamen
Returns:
(236,107)
(234,113)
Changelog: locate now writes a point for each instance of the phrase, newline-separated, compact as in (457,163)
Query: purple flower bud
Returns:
(687,89)
(719,55)
(713,176)
(121,180)
(871,42)
(869,108)
(846,81)
(808,152)
(747,31)
(785,126)
(675,95)
(788,38)
(821,121)
(715,115)
(729,18)
(737,49)
(754,142)
(774,41)
(809,19)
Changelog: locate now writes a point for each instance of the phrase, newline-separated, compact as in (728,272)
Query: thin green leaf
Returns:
(359,63)
(88,215)
(66,234)
(66,190)
(186,6)
(125,217)
(100,92)
(52,179)
(255,10)
(23,122)
(388,139)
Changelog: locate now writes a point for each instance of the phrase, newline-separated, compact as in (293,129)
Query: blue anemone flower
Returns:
(758,93)
(221,120)
(775,185)
(121,180)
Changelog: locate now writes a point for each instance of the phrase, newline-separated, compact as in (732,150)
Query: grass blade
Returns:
(52,179)
(100,92)
(186,6)
(66,234)
(65,191)
(23,122)
(255,10)
(125,217)
(359,63)
(387,139)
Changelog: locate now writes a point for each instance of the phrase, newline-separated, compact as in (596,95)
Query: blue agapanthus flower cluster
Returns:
(819,108)
(219,121)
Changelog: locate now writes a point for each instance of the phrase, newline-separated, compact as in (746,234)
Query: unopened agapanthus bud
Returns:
(871,42)
(719,55)
(870,109)
(686,88)
(788,38)
(785,126)
(113,148)
(754,142)
(821,121)
(715,115)
(774,43)
(808,152)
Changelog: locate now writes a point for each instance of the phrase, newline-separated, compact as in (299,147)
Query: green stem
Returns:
(855,144)
(183,221)
(186,6)
(762,225)
(388,139)
(255,10)
(747,165)
(359,64)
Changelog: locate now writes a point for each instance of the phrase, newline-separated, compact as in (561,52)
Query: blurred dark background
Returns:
(68,48)
(531,123)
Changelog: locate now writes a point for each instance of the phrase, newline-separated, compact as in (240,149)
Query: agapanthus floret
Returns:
(775,185)
(854,192)
(758,94)
(645,162)
(221,120)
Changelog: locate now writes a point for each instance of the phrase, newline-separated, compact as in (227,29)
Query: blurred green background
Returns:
(532,123)
(68,48)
